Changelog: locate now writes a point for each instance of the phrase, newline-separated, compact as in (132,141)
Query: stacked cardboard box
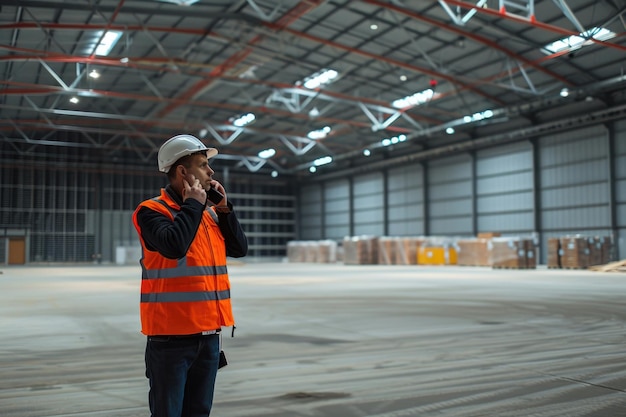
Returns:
(474,252)
(307,251)
(607,249)
(554,249)
(398,250)
(407,250)
(312,251)
(575,252)
(513,253)
(326,251)
(296,251)
(531,253)
(508,253)
(387,250)
(578,251)
(487,235)
(487,249)
(360,250)
(595,250)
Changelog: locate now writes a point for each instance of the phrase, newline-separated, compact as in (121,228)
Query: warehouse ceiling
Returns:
(397,79)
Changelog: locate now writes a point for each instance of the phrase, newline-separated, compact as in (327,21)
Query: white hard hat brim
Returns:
(211,152)
(180,146)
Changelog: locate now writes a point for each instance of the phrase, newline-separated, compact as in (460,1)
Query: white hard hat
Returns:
(179,146)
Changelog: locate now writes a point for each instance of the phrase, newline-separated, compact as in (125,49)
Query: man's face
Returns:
(200,169)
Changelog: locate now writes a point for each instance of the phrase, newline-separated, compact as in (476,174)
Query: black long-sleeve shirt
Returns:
(173,238)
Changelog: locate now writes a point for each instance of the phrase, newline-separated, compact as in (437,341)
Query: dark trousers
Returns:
(181,372)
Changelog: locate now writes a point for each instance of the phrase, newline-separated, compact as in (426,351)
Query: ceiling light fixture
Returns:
(367,152)
(478,116)
(415,99)
(564,92)
(393,140)
(325,76)
(74,100)
(267,153)
(324,160)
(244,120)
(180,2)
(319,133)
(314,112)
(94,74)
(450,130)
(373,26)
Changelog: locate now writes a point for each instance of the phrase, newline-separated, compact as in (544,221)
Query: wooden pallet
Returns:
(511,267)
(618,266)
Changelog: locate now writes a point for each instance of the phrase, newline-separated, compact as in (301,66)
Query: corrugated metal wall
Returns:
(574,176)
(369,199)
(405,199)
(568,183)
(450,196)
(619,191)
(504,189)
(337,209)
(311,212)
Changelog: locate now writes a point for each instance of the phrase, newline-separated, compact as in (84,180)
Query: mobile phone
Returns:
(223,362)
(215,196)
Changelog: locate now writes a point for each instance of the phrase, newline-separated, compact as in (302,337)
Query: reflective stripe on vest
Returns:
(178,297)
(183,271)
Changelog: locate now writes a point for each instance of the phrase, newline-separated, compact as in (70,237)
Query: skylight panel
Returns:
(108,42)
(574,42)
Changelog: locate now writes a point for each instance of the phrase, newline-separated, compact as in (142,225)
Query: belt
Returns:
(188,336)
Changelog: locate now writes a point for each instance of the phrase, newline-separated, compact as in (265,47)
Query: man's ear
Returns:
(181,170)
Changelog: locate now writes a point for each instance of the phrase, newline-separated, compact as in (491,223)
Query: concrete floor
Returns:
(331,340)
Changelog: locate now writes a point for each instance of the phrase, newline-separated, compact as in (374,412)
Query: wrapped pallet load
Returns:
(437,251)
(554,250)
(514,253)
(327,251)
(360,250)
(296,251)
(387,249)
(575,252)
(407,250)
(474,251)
(398,250)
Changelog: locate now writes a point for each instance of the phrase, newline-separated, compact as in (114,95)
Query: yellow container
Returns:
(443,255)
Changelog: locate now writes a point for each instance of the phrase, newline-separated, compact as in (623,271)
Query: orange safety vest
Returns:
(187,295)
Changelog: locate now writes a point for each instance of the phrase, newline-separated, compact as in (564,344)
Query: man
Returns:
(185,290)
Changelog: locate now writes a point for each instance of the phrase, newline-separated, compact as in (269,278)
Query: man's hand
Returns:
(194,190)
